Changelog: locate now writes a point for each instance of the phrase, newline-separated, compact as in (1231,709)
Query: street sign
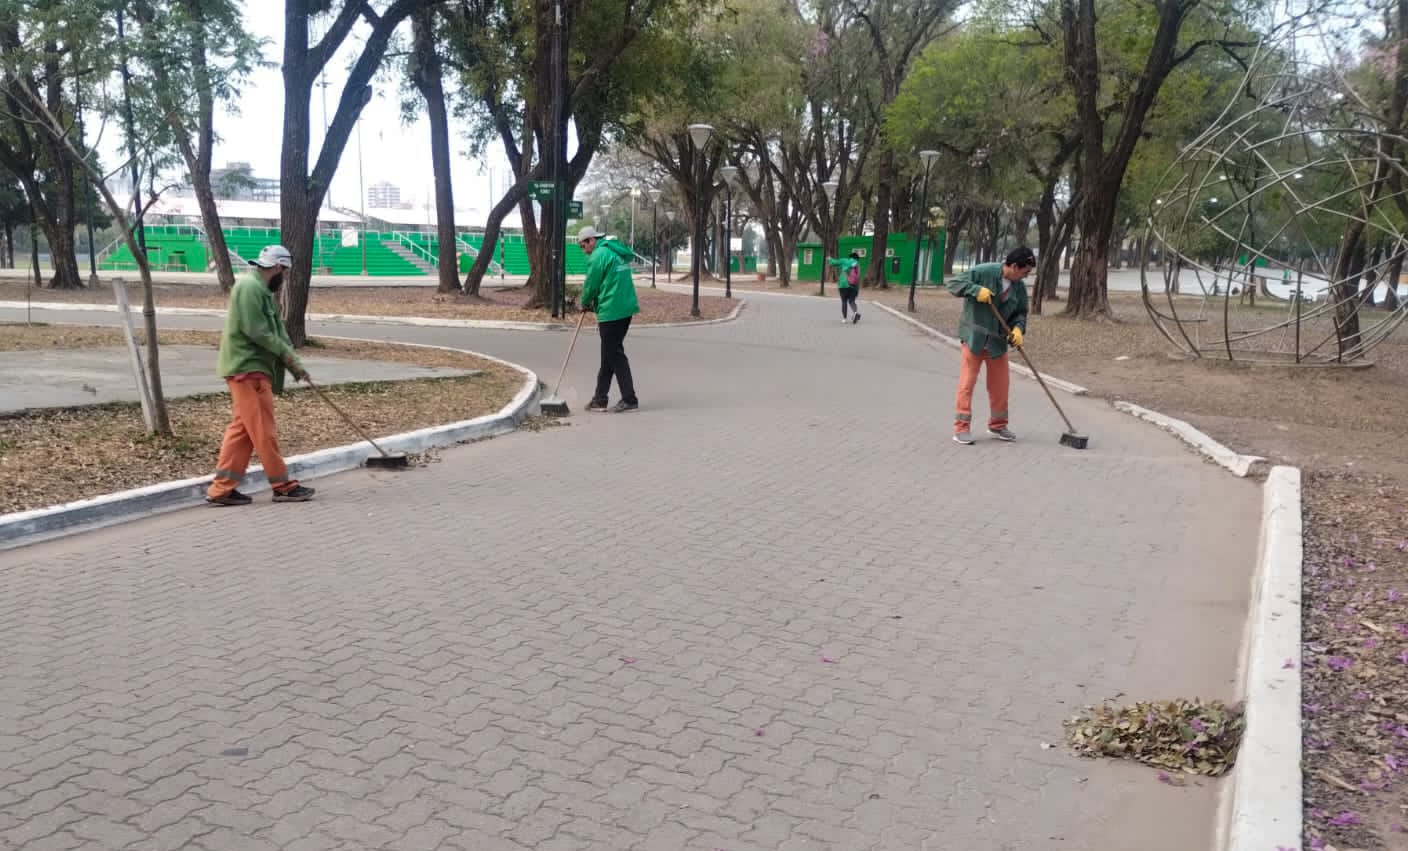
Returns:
(574,209)
(540,190)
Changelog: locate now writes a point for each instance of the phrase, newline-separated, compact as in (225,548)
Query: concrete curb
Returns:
(42,524)
(1239,465)
(1261,807)
(1059,384)
(418,321)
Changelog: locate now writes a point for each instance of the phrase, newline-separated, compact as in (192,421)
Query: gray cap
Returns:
(589,232)
(273,255)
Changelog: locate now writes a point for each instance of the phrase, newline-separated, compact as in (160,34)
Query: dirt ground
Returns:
(57,455)
(656,306)
(1347,430)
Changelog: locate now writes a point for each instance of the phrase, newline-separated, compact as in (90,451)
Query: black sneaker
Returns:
(624,407)
(231,498)
(298,494)
(596,405)
(856,319)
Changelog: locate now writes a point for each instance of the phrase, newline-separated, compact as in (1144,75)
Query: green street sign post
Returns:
(574,209)
(541,190)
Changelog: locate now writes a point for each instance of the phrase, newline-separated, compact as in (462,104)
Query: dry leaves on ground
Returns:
(1355,677)
(1188,736)
(500,304)
(58,455)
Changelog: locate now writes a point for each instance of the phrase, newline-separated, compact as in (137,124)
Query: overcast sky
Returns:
(392,151)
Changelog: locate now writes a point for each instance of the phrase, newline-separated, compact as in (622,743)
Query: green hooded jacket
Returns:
(844,264)
(254,339)
(978,328)
(609,289)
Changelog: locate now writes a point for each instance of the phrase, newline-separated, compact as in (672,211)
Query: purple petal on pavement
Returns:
(1403,657)
(629,660)
(1392,762)
(1340,663)
(828,660)
(1372,643)
(1394,596)
(1345,819)
(1288,664)
(758,732)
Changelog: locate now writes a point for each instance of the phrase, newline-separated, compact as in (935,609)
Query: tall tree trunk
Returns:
(1349,266)
(63,244)
(427,76)
(1089,297)
(198,153)
(475,276)
(884,189)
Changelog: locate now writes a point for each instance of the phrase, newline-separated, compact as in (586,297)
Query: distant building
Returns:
(236,182)
(384,196)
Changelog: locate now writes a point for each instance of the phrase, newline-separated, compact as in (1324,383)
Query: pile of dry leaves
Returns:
(1186,736)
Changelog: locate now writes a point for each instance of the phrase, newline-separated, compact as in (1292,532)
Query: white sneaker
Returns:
(845,321)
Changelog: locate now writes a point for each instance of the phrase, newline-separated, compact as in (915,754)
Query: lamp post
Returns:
(605,214)
(928,157)
(729,172)
(654,233)
(669,243)
(699,135)
(830,186)
(635,193)
(362,197)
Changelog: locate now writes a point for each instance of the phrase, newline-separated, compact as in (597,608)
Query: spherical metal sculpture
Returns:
(1252,220)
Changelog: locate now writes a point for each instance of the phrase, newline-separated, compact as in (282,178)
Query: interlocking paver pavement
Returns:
(777,609)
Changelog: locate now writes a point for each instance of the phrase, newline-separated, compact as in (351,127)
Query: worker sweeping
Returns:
(254,353)
(610,293)
(848,284)
(984,287)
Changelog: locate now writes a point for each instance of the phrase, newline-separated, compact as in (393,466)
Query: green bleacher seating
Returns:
(183,248)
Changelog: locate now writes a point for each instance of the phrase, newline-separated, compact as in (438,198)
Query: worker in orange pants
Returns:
(988,289)
(254,354)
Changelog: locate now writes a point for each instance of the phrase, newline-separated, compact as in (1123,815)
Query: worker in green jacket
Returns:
(985,286)
(610,293)
(848,283)
(254,353)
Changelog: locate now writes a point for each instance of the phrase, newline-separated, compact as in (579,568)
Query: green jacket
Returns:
(254,339)
(978,328)
(609,289)
(844,264)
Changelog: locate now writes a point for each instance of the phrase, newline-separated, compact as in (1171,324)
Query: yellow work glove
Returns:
(1015,338)
(984,295)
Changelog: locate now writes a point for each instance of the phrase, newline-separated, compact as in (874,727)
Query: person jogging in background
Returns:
(985,286)
(610,293)
(254,353)
(848,284)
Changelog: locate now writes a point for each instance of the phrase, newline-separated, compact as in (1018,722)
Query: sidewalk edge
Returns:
(1239,465)
(358,319)
(1261,806)
(42,524)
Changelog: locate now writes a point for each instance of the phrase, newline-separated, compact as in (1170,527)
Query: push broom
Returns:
(554,405)
(387,460)
(1070,437)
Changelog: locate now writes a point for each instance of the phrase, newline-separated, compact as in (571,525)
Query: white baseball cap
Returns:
(589,232)
(273,255)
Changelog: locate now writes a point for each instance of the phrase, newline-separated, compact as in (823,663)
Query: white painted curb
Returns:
(1059,384)
(42,524)
(1239,465)
(353,318)
(1261,808)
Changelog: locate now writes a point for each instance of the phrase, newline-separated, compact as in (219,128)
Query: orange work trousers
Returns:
(998,380)
(250,431)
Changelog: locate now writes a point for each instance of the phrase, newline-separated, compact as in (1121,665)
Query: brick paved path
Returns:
(778,609)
